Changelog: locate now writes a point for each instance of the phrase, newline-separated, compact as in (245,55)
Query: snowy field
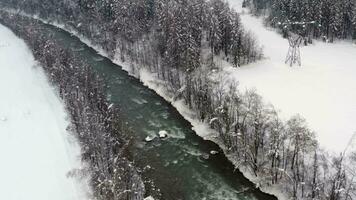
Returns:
(322,90)
(36,151)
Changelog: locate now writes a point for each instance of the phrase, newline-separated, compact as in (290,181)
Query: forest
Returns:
(182,41)
(321,19)
(102,134)
(175,29)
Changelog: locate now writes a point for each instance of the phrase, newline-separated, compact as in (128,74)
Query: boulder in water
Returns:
(149,138)
(163,134)
(213,152)
(205,156)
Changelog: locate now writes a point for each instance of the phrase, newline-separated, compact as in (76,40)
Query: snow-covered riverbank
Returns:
(151,80)
(36,151)
(322,90)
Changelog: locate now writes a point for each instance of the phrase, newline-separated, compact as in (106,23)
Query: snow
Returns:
(212,152)
(110,106)
(149,198)
(163,134)
(322,90)
(150,80)
(273,70)
(149,138)
(37,153)
(213,120)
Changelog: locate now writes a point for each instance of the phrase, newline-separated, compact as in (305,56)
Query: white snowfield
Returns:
(36,151)
(322,90)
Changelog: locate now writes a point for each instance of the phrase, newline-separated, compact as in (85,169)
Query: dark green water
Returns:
(178,164)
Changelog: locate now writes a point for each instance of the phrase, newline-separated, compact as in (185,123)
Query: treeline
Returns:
(177,29)
(278,152)
(96,124)
(325,19)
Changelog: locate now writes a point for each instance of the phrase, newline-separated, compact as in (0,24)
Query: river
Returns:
(181,165)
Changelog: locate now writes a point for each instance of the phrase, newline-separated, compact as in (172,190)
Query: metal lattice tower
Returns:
(293,55)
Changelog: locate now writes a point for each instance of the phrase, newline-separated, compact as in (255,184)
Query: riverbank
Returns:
(37,150)
(322,89)
(203,129)
(265,148)
(183,166)
(94,121)
(151,80)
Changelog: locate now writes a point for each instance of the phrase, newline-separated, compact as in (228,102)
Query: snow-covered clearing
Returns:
(322,90)
(270,76)
(36,151)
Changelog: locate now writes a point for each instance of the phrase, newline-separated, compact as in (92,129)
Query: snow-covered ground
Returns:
(36,151)
(322,90)
(275,76)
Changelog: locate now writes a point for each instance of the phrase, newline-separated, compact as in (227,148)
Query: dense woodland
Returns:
(176,29)
(322,19)
(95,123)
(182,42)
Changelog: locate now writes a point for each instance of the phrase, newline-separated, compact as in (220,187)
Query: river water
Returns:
(181,165)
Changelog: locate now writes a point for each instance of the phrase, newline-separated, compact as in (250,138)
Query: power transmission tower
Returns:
(293,55)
